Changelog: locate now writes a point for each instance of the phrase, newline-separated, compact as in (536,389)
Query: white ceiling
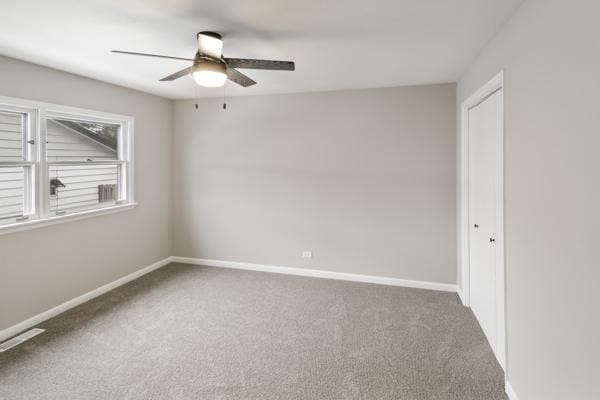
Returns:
(344,44)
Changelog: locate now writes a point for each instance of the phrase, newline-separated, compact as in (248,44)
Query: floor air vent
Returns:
(17,340)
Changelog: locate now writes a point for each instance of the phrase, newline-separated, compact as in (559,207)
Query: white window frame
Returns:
(37,203)
(30,153)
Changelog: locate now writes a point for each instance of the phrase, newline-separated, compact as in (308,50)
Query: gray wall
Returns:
(365,179)
(44,267)
(551,53)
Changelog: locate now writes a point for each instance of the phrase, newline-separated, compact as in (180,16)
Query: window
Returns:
(57,162)
(17,166)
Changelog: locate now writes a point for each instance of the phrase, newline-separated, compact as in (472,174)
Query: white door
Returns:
(483,133)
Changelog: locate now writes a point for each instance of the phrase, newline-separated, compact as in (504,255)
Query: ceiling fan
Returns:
(211,69)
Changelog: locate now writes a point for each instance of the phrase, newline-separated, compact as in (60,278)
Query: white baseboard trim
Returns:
(37,319)
(33,321)
(316,273)
(510,392)
(460,295)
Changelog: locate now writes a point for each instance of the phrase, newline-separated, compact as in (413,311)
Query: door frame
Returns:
(496,84)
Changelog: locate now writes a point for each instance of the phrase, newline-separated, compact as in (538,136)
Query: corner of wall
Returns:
(171,230)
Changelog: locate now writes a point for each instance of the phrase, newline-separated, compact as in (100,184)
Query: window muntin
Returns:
(82,162)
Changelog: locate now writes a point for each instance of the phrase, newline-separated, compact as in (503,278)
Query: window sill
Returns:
(38,223)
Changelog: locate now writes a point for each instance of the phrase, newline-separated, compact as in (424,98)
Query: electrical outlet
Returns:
(307,254)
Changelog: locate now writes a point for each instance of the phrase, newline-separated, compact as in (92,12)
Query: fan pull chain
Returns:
(224,98)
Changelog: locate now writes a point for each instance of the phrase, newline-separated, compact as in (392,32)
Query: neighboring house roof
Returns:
(104,134)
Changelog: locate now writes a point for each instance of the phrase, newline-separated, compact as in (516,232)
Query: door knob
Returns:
(476,226)
(492,240)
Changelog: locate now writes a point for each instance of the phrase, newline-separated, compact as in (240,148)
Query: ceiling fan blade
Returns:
(177,75)
(260,64)
(239,78)
(150,55)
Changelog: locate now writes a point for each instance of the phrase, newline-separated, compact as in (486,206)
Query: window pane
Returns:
(83,186)
(71,140)
(11,136)
(12,192)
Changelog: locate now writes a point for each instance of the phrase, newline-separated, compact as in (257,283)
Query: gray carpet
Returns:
(188,332)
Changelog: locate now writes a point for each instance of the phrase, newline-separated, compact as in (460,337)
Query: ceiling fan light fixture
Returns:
(210,74)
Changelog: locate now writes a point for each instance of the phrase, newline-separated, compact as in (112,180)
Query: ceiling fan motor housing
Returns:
(210,44)
(206,64)
(211,34)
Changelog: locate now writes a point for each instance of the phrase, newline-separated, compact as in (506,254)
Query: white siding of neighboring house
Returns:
(11,192)
(11,178)
(65,144)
